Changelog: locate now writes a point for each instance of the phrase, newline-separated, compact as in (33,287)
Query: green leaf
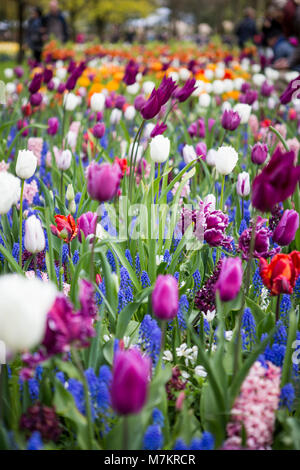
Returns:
(128,311)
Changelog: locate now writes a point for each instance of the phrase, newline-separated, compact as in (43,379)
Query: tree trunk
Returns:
(20,31)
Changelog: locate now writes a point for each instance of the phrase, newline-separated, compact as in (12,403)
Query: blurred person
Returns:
(282,48)
(55,23)
(271,22)
(246,29)
(34,33)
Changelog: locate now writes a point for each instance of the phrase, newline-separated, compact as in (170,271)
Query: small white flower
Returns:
(106,338)
(185,374)
(168,356)
(228,335)
(200,371)
(209,315)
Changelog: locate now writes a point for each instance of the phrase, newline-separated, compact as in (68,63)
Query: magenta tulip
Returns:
(87,224)
(165,297)
(286,230)
(129,387)
(230,279)
(103,181)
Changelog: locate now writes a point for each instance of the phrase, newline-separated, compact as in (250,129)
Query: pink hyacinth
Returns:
(254,409)
(35,144)
(30,190)
(4,166)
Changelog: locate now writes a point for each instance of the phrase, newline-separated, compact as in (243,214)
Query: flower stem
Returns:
(20,224)
(61,185)
(92,271)
(222,193)
(125,433)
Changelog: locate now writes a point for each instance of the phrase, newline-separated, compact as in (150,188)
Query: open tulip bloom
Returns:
(149,249)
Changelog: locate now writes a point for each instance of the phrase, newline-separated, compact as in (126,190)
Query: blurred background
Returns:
(26,26)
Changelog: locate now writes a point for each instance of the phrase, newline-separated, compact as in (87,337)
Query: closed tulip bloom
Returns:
(225,159)
(34,240)
(286,230)
(99,130)
(36,99)
(244,111)
(243,184)
(165,297)
(189,154)
(159,149)
(201,150)
(87,224)
(98,102)
(115,116)
(53,124)
(276,182)
(103,181)
(130,379)
(71,101)
(24,305)
(230,120)
(230,279)
(259,153)
(26,164)
(129,113)
(63,159)
(281,274)
(152,106)
(9,191)
(36,83)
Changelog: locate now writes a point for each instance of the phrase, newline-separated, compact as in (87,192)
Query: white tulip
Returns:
(63,159)
(258,79)
(159,149)
(10,88)
(184,74)
(256,68)
(129,113)
(204,100)
(98,102)
(209,74)
(174,76)
(9,191)
(189,154)
(71,101)
(238,82)
(148,129)
(243,184)
(244,111)
(226,159)
(133,89)
(24,304)
(115,116)
(148,87)
(26,164)
(8,73)
(211,157)
(34,240)
(61,73)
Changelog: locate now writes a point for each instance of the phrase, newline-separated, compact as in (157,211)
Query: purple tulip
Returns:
(139,102)
(201,149)
(19,71)
(23,123)
(291,91)
(36,83)
(210,124)
(99,130)
(261,243)
(50,85)
(286,230)
(36,99)
(182,94)
(152,106)
(165,90)
(249,97)
(230,279)
(130,379)
(259,153)
(165,297)
(53,125)
(71,82)
(267,89)
(197,128)
(99,116)
(120,101)
(131,72)
(160,128)
(61,88)
(87,224)
(103,181)
(276,182)
(109,102)
(72,66)
(47,75)
(245,87)
(230,120)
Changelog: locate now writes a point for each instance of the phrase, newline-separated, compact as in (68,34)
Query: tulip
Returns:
(189,154)
(129,113)
(259,153)
(36,83)
(276,182)
(129,386)
(115,116)
(159,149)
(47,76)
(53,124)
(165,90)
(66,229)
(139,102)
(63,159)
(182,94)
(225,159)
(36,99)
(99,130)
(230,120)
(244,111)
(120,101)
(19,71)
(286,230)
(152,106)
(60,89)
(87,224)
(266,89)
(103,181)
(243,184)
(201,150)
(197,128)
(70,193)
(71,101)
(9,191)
(249,97)
(165,297)
(230,279)
(34,240)
(211,157)
(131,72)
(281,274)
(292,91)
(26,164)
(97,102)
(158,129)
(24,305)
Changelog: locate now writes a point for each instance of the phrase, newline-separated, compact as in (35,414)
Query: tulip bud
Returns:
(103,181)
(72,206)
(243,184)
(97,102)
(230,279)
(87,224)
(63,159)
(286,230)
(129,113)
(26,164)
(159,149)
(115,116)
(70,193)
(189,154)
(165,297)
(244,111)
(129,386)
(259,153)
(53,124)
(34,240)
(36,99)
(226,159)
(230,120)
(99,130)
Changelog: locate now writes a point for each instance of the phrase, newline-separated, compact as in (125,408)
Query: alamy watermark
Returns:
(2,353)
